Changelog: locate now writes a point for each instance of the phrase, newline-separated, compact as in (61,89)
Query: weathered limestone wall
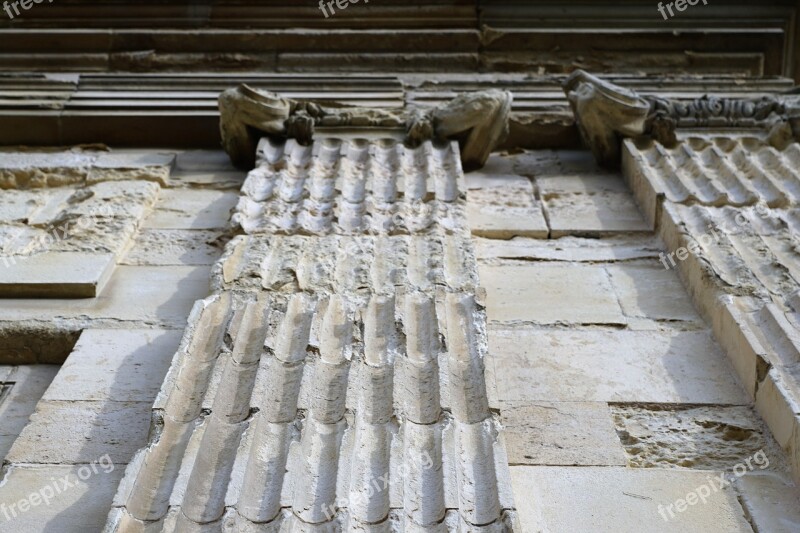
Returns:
(729,202)
(336,378)
(114,350)
(617,403)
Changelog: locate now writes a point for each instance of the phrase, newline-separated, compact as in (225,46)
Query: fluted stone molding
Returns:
(606,113)
(479,121)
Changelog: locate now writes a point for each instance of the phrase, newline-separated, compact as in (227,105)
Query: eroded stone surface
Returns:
(153,247)
(704,438)
(192,209)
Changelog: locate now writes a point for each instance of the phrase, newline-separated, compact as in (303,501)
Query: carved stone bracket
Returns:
(479,121)
(605,113)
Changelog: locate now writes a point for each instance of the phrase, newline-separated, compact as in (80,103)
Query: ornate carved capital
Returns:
(479,121)
(605,113)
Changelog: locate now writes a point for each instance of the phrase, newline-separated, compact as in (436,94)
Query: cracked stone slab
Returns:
(772,502)
(154,247)
(569,249)
(548,293)
(505,212)
(594,214)
(650,291)
(192,209)
(611,366)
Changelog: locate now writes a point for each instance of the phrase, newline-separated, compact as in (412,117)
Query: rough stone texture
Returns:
(168,247)
(574,433)
(325,362)
(730,200)
(66,246)
(534,365)
(704,438)
(353,187)
(614,500)
(192,209)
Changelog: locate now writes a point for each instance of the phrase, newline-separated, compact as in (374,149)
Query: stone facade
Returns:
(410,296)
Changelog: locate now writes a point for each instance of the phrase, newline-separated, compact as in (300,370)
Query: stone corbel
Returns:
(606,113)
(479,121)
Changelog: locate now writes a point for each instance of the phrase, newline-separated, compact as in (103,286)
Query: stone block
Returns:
(505,212)
(611,366)
(548,293)
(558,184)
(652,292)
(622,500)
(771,502)
(168,247)
(571,249)
(80,502)
(567,433)
(55,275)
(192,209)
(27,385)
(117,365)
(159,296)
(595,214)
(81,432)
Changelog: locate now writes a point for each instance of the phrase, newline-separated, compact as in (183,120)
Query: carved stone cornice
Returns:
(605,113)
(479,121)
